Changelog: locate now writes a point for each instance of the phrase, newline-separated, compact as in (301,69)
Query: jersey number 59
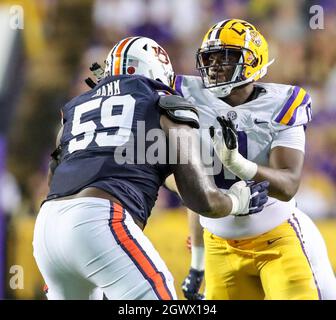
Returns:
(85,132)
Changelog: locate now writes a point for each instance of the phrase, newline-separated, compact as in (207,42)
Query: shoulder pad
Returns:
(179,110)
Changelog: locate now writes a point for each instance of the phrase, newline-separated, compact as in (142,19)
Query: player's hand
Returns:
(248,197)
(229,133)
(225,142)
(192,284)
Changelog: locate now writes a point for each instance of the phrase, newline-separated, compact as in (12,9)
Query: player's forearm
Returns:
(193,217)
(283,183)
(197,236)
(196,230)
(197,190)
(196,239)
(283,172)
(218,205)
(199,193)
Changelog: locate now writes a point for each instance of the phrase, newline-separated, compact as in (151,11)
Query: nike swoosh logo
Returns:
(256,121)
(273,240)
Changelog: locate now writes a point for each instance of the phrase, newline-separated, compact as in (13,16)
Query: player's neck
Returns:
(239,95)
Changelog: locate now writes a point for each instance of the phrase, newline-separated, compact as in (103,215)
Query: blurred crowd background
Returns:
(45,64)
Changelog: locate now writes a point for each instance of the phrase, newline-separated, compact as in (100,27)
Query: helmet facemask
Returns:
(222,67)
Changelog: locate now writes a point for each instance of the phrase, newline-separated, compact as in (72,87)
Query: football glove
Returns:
(248,197)
(225,142)
(55,159)
(192,284)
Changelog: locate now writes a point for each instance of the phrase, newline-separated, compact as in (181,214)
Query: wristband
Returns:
(243,168)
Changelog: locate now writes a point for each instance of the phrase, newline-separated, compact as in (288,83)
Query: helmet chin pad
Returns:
(221,91)
(224,90)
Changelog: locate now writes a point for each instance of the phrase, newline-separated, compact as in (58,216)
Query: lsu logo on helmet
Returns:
(240,40)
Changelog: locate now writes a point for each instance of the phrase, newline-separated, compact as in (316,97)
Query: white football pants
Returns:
(88,243)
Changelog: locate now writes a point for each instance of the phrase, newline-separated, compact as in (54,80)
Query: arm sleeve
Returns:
(293,137)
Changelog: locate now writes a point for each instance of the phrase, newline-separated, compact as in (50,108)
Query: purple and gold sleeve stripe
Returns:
(288,114)
(178,84)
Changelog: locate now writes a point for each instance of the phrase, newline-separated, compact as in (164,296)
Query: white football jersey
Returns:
(275,118)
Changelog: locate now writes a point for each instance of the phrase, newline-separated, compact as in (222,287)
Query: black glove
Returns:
(229,132)
(192,284)
(55,159)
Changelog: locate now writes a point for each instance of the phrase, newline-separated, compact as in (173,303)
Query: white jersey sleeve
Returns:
(292,109)
(293,137)
(188,85)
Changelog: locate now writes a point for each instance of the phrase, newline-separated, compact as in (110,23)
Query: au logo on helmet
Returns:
(139,56)
(161,55)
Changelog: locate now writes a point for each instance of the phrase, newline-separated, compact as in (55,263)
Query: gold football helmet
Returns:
(233,53)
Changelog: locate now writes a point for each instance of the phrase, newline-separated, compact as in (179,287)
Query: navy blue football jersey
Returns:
(104,146)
